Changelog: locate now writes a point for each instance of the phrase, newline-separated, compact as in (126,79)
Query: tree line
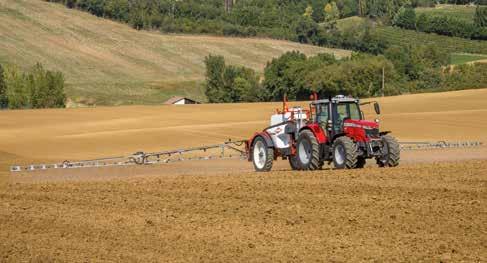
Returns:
(36,88)
(312,21)
(444,25)
(406,69)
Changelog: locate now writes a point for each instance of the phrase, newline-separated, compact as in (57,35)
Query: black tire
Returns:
(391,152)
(293,161)
(345,153)
(308,151)
(361,162)
(265,155)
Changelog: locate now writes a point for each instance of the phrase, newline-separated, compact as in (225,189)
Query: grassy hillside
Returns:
(349,22)
(110,63)
(465,13)
(461,58)
(398,36)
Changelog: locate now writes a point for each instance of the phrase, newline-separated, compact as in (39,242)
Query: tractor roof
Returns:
(339,98)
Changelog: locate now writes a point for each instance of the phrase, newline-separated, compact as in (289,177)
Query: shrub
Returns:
(38,88)
(18,94)
(405,18)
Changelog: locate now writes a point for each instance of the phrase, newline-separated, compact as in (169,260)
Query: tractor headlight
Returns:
(377,120)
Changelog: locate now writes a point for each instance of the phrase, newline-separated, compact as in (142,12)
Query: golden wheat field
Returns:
(430,208)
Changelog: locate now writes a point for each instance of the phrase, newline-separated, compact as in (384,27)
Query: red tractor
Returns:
(332,130)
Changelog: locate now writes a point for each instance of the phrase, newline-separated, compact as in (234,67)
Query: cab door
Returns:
(323,117)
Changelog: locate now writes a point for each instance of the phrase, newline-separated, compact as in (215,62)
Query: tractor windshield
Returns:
(347,110)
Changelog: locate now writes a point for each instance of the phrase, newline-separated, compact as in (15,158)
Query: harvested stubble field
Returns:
(431,208)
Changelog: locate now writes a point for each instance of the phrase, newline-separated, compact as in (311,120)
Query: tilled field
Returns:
(431,208)
(416,212)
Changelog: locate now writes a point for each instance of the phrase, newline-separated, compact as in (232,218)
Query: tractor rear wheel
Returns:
(293,161)
(308,151)
(262,155)
(345,153)
(391,152)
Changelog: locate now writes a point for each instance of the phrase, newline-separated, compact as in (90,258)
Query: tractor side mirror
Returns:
(377,108)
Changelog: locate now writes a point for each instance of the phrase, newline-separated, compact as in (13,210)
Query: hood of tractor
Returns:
(361,130)
(362,124)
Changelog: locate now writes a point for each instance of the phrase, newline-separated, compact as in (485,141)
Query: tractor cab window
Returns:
(343,111)
(347,111)
(322,115)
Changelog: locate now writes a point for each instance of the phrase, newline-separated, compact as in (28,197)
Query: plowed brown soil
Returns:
(428,212)
(432,208)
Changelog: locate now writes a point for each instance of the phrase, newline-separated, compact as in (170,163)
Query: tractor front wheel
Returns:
(361,161)
(262,155)
(308,151)
(345,153)
(391,152)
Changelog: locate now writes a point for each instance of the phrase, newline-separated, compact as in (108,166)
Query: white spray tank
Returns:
(279,122)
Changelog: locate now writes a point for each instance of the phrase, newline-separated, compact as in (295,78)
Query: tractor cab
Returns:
(342,115)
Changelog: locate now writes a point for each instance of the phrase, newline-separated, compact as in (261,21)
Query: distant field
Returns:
(457,59)
(346,23)
(59,134)
(398,36)
(465,13)
(110,63)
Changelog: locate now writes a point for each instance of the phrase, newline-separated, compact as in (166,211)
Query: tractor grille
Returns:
(372,133)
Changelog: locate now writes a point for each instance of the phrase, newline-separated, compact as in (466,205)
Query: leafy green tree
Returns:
(117,9)
(480,18)
(422,23)
(306,30)
(308,12)
(362,8)
(46,88)
(215,67)
(3,90)
(348,7)
(405,18)
(332,13)
(17,93)
(230,83)
(277,82)
(359,76)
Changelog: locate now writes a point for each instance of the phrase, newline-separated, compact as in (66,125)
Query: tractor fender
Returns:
(262,134)
(317,132)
